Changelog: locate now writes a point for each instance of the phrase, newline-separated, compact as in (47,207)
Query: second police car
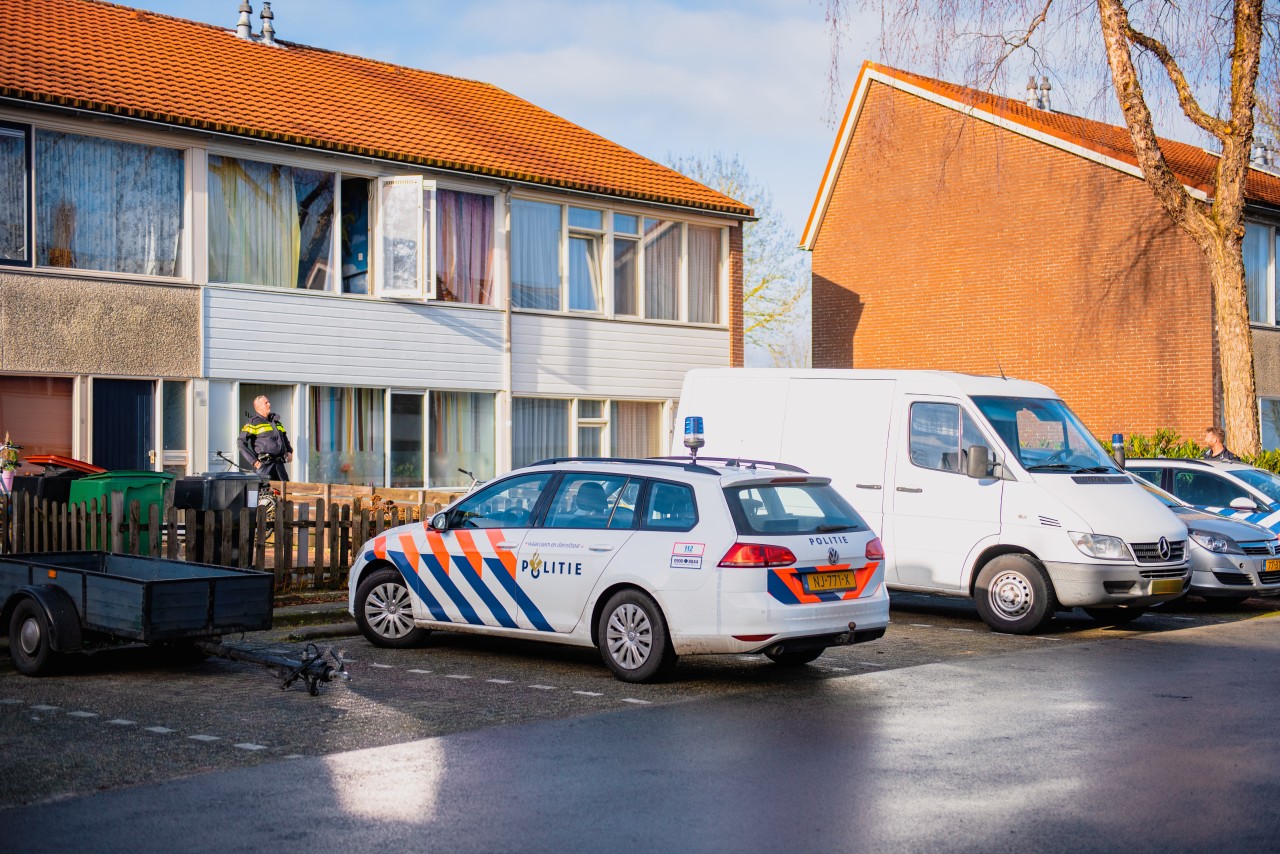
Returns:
(647,560)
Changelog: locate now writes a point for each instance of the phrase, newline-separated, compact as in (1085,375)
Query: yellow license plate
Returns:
(1166,585)
(823,582)
(1273,564)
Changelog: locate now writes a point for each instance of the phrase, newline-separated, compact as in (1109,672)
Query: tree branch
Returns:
(1186,98)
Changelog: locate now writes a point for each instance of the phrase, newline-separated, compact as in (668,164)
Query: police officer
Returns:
(1215,447)
(263,442)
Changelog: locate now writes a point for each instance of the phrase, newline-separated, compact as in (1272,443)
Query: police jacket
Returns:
(263,436)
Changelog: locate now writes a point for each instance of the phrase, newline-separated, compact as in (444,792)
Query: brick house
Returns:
(423,273)
(963,231)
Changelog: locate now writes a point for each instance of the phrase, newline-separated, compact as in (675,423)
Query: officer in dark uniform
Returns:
(264,444)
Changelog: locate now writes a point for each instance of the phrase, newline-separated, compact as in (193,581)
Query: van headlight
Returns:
(1100,546)
(1216,543)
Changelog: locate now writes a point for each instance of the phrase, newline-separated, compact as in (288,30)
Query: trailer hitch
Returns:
(311,669)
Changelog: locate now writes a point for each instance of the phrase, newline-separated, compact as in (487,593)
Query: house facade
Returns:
(423,273)
(962,231)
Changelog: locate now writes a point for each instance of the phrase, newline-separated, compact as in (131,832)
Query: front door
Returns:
(124,434)
(939,512)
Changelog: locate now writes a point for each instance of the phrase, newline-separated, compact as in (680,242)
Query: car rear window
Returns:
(793,508)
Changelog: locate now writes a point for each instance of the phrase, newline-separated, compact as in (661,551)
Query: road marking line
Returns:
(1044,637)
(82,714)
(10,701)
(248,746)
(381,666)
(121,722)
(499,681)
(162,730)
(870,664)
(921,625)
(415,670)
(833,667)
(543,687)
(205,737)
(959,630)
(589,693)
(457,676)
(1174,617)
(633,700)
(295,756)
(45,708)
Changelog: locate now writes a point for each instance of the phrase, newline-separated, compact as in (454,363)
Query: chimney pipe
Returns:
(244,27)
(1033,95)
(268,31)
(1044,94)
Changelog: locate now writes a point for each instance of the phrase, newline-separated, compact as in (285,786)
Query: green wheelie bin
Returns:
(145,487)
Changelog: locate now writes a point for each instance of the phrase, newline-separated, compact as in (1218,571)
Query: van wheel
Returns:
(384,611)
(795,657)
(1014,595)
(29,644)
(1115,616)
(633,638)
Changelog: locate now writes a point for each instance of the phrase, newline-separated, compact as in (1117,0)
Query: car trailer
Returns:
(68,601)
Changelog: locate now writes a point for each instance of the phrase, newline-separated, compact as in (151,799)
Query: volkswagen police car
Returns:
(647,560)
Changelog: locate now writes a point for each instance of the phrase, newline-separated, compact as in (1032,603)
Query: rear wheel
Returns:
(1014,595)
(1115,616)
(795,657)
(633,638)
(29,644)
(384,611)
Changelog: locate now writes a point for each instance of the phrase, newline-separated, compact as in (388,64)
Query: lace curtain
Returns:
(13,195)
(704,274)
(464,262)
(661,269)
(636,429)
(535,255)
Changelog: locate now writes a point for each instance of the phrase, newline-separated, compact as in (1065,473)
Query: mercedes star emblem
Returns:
(1163,548)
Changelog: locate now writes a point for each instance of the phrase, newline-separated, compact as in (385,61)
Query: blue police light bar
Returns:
(693,434)
(1116,439)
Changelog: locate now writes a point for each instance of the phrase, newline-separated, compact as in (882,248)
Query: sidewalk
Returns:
(319,615)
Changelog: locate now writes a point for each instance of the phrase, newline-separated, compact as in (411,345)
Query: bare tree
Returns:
(775,271)
(1220,41)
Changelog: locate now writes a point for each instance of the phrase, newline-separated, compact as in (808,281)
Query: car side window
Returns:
(506,504)
(1204,489)
(670,507)
(941,435)
(1147,474)
(589,501)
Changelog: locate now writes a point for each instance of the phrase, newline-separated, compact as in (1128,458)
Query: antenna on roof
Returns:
(1000,368)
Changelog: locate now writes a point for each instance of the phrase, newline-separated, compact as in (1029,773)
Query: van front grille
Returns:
(1170,572)
(1150,552)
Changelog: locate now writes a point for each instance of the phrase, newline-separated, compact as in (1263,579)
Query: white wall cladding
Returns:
(574,356)
(298,337)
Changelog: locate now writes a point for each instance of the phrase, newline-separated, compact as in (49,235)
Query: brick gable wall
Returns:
(955,245)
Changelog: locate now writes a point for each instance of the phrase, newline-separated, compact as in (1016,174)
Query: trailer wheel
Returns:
(29,645)
(384,611)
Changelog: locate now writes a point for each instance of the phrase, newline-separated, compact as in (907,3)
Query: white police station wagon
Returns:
(645,559)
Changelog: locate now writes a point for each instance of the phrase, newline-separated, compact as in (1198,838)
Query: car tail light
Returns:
(752,555)
(875,549)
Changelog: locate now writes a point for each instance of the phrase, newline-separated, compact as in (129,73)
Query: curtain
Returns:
(535,255)
(584,273)
(636,429)
(625,268)
(269,224)
(661,269)
(463,436)
(36,412)
(464,262)
(1257,260)
(704,274)
(539,430)
(13,195)
(107,205)
(348,436)
(406,440)
(1270,407)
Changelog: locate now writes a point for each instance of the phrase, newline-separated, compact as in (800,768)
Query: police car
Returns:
(647,560)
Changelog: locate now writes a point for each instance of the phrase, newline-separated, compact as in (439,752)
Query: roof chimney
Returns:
(269,32)
(1044,94)
(1033,94)
(244,27)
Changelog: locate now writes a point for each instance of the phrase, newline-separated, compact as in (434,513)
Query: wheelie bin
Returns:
(218,491)
(145,487)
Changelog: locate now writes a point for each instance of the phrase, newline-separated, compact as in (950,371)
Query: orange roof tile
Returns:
(114,59)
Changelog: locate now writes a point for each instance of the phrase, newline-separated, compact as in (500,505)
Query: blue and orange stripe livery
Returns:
(785,585)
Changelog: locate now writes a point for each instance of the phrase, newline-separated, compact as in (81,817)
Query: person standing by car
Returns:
(264,444)
(1214,438)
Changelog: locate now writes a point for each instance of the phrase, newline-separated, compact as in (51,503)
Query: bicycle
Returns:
(268,496)
(474,481)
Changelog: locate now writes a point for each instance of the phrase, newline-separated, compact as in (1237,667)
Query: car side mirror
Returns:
(440,522)
(979,461)
(1243,503)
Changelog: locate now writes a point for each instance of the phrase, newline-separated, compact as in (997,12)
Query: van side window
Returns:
(670,507)
(941,434)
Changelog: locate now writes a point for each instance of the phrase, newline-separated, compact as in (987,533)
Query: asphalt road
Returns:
(941,736)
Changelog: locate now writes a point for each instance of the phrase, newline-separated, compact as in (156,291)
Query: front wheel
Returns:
(795,657)
(1014,595)
(633,638)
(1115,616)
(384,611)
(29,645)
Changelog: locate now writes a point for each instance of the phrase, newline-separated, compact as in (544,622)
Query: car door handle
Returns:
(868,486)
(910,489)
(601,548)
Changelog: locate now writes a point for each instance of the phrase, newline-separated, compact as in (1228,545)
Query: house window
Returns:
(661,269)
(174,427)
(407,444)
(462,437)
(592,425)
(1269,411)
(586,428)
(535,255)
(1259,272)
(704,274)
(586,237)
(539,430)
(36,413)
(355,235)
(626,265)
(269,224)
(348,435)
(464,246)
(635,429)
(15,195)
(103,204)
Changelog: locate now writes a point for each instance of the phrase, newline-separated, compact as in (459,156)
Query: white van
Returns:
(979,486)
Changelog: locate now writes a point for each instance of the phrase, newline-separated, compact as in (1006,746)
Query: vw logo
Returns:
(833,556)
(1162,548)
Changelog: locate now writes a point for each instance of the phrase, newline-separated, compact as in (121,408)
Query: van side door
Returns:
(939,512)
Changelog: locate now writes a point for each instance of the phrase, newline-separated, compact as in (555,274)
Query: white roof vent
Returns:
(1038,95)
(244,27)
(268,31)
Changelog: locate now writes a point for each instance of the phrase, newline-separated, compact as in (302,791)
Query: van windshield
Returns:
(1045,435)
(801,508)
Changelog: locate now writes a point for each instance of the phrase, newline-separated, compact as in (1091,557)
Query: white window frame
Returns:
(600,236)
(500,273)
(425,274)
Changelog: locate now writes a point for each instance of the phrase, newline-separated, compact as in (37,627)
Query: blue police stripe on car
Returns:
(482,590)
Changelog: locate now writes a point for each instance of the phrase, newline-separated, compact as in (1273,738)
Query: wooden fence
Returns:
(308,545)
